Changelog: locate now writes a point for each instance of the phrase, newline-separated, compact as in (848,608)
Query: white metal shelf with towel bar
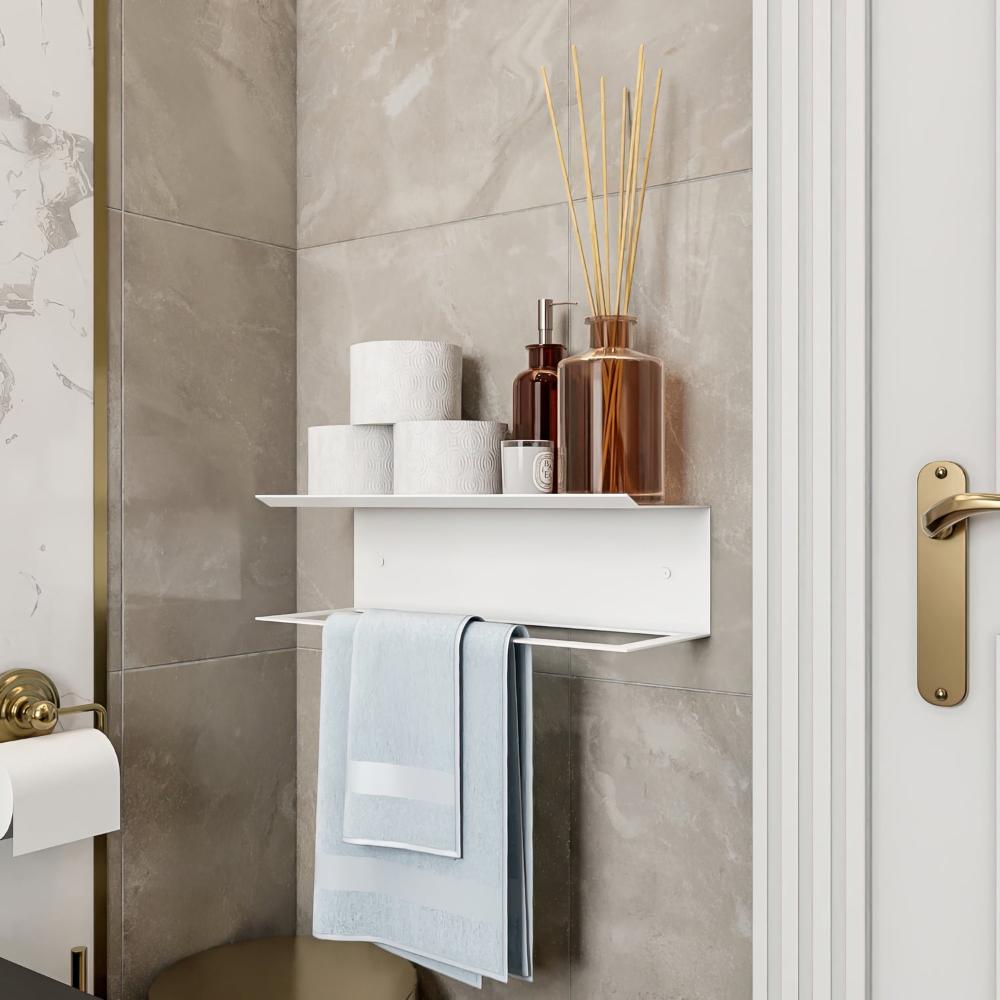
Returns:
(635,577)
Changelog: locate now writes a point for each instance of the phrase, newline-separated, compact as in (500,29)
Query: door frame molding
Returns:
(811,488)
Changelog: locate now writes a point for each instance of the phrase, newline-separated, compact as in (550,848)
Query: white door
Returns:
(46,415)
(934,397)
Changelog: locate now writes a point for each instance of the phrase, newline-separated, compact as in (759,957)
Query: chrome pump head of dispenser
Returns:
(545,327)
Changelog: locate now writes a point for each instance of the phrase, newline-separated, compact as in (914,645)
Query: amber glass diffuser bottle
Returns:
(611,416)
(536,391)
(611,405)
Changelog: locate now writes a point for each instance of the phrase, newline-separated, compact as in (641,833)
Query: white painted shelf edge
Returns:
(641,640)
(494,501)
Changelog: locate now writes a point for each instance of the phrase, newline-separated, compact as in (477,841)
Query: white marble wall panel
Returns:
(46,338)
(46,415)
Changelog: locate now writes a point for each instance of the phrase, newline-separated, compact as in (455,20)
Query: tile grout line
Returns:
(661,687)
(206,229)
(569,170)
(647,684)
(120,490)
(572,676)
(296,819)
(497,215)
(207,659)
(570,838)
(432,225)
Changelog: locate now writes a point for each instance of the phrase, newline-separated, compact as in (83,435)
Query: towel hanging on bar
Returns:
(468,917)
(404,757)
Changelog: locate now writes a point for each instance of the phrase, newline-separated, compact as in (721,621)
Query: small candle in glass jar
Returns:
(528,466)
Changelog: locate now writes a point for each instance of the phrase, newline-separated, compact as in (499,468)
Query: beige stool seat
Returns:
(288,969)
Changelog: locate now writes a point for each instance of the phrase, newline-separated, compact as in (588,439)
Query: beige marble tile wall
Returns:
(202,194)
(429,206)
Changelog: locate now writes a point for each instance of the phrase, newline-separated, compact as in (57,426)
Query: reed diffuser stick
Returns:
(569,191)
(595,245)
(623,201)
(621,180)
(633,250)
(640,94)
(633,161)
(604,172)
(640,121)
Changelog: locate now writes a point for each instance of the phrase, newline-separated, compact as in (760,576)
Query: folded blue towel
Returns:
(404,753)
(467,917)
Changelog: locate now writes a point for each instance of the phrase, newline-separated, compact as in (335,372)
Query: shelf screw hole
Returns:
(941,472)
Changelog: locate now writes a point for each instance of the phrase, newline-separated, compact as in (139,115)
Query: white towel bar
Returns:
(631,642)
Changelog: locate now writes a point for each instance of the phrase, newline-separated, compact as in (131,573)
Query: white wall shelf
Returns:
(471,501)
(602,571)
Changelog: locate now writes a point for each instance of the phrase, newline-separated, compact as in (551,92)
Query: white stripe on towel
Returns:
(463,898)
(369,777)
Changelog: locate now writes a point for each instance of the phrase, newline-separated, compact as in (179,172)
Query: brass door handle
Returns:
(940,519)
(943,507)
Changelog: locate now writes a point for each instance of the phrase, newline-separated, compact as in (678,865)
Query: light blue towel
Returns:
(404,758)
(467,917)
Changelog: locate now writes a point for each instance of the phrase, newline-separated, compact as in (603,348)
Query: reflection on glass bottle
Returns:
(611,416)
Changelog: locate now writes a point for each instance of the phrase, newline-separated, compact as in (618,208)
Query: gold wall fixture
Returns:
(29,706)
(942,606)
(101,506)
(78,968)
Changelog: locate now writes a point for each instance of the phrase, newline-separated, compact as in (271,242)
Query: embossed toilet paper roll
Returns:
(447,456)
(350,459)
(396,380)
(58,788)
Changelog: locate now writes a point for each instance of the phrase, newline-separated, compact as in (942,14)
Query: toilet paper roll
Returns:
(447,456)
(396,380)
(351,459)
(58,788)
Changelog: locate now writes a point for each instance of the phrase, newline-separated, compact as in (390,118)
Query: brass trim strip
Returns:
(101,509)
(78,968)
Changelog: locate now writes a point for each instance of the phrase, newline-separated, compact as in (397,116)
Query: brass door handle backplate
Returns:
(943,507)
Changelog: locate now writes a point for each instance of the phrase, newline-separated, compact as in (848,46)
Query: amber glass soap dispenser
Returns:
(536,391)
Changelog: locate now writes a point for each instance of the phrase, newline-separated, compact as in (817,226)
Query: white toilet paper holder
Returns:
(30,706)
